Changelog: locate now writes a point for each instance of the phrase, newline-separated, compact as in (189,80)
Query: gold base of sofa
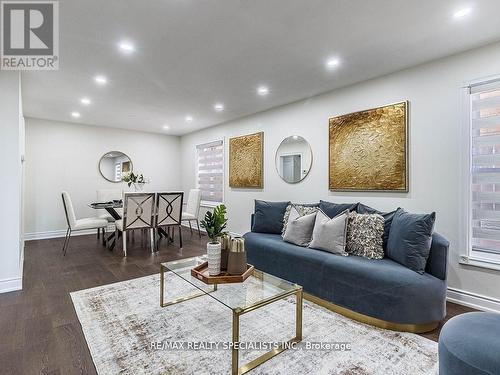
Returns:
(414,328)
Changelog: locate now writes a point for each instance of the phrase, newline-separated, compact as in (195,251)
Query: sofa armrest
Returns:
(437,264)
(252,218)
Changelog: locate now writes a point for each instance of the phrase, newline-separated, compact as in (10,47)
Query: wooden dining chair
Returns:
(138,213)
(169,212)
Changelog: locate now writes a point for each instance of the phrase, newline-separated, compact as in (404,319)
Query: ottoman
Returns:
(469,344)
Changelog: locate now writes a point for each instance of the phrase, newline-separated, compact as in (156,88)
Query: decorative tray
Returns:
(201,273)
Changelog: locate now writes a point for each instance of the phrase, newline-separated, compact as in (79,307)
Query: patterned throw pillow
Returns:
(300,228)
(302,209)
(364,235)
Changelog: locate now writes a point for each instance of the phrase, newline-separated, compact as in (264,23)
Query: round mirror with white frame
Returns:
(114,164)
(293,159)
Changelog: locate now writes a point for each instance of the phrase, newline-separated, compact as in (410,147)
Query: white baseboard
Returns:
(473,300)
(10,285)
(61,233)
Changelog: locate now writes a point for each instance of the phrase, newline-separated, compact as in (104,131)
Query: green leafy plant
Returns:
(215,222)
(131,178)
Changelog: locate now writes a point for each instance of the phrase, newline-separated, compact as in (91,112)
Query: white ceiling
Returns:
(191,54)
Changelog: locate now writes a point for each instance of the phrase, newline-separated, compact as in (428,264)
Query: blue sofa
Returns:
(380,292)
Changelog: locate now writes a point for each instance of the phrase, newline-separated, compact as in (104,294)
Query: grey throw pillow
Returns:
(364,235)
(302,209)
(330,234)
(300,227)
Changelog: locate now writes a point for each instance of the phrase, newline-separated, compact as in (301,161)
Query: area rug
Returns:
(124,326)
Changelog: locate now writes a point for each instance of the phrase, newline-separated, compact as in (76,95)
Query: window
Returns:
(484,172)
(210,171)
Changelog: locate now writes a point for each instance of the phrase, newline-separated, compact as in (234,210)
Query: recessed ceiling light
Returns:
(332,63)
(263,90)
(75,114)
(166,127)
(295,137)
(461,13)
(126,47)
(219,107)
(100,80)
(189,118)
(85,101)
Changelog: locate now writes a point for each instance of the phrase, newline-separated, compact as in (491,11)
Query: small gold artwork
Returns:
(368,150)
(246,161)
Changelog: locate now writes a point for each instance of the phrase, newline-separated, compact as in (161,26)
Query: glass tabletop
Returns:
(256,289)
(101,205)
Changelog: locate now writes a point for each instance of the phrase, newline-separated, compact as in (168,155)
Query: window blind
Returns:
(210,171)
(485,166)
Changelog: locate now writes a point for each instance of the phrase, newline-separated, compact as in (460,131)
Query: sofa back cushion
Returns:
(388,216)
(268,216)
(334,209)
(330,234)
(300,227)
(410,239)
(364,235)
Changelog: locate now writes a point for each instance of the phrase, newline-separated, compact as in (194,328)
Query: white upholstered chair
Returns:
(192,211)
(108,195)
(169,212)
(138,213)
(75,224)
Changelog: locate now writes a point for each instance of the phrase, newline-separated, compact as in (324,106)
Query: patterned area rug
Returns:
(121,321)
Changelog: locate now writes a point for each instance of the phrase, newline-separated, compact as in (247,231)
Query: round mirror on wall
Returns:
(114,164)
(293,159)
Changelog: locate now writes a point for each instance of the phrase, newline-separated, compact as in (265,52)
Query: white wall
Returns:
(434,92)
(11,145)
(63,156)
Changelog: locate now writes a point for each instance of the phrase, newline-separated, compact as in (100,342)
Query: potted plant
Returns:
(137,180)
(214,223)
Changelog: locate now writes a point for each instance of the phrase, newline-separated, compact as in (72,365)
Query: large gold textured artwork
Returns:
(246,154)
(368,150)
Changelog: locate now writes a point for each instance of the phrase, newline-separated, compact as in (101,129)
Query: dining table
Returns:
(111,207)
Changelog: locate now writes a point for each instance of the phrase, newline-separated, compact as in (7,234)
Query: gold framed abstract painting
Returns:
(246,161)
(368,150)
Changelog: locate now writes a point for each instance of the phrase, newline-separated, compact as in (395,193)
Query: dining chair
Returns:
(75,224)
(138,213)
(192,211)
(169,212)
(107,195)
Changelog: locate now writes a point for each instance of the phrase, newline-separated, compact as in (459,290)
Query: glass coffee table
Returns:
(257,291)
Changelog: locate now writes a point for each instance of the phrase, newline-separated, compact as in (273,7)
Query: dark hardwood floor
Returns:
(39,330)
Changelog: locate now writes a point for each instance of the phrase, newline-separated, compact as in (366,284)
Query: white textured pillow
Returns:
(330,234)
(300,227)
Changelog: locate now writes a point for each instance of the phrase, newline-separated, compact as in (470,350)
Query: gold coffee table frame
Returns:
(238,312)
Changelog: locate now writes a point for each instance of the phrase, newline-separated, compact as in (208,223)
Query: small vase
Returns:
(139,186)
(237,257)
(213,253)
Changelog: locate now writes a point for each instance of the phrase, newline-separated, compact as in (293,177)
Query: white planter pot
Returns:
(139,186)
(213,253)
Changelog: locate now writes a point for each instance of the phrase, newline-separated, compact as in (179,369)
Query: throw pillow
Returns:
(334,209)
(300,227)
(362,209)
(268,216)
(302,209)
(410,239)
(330,234)
(364,235)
